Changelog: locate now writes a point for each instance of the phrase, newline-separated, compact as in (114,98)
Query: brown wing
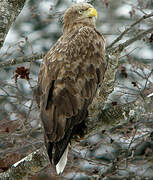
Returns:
(69,77)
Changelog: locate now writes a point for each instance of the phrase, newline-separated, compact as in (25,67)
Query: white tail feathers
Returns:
(62,162)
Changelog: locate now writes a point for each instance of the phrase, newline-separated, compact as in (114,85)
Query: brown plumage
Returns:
(69,76)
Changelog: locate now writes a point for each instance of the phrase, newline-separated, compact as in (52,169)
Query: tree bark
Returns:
(27,166)
(9,10)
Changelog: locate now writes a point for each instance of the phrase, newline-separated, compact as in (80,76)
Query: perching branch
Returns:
(38,160)
(28,166)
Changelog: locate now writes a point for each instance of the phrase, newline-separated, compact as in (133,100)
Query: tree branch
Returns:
(116,49)
(128,29)
(9,10)
(120,47)
(28,166)
(38,160)
(21,60)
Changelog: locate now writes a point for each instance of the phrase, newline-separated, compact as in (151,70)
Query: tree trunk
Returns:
(9,10)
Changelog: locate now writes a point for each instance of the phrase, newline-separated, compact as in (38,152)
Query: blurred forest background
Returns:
(120,150)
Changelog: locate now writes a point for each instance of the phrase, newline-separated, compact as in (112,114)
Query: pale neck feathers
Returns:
(71,27)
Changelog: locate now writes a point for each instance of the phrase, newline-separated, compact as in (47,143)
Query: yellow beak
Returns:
(91,12)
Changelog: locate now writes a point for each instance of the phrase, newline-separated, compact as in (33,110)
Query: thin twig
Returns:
(128,29)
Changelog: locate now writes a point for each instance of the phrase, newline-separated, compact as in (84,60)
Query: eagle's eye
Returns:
(80,11)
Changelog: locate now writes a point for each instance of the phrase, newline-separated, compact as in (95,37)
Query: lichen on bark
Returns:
(9,10)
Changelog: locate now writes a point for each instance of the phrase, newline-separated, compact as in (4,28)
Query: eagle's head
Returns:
(80,13)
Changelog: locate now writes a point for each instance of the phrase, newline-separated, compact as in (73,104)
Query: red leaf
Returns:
(134,84)
(7,129)
(151,38)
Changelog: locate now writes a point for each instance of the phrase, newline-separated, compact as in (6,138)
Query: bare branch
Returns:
(35,57)
(128,29)
(20,60)
(120,47)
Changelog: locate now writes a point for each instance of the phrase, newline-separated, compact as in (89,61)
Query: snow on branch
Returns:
(28,166)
